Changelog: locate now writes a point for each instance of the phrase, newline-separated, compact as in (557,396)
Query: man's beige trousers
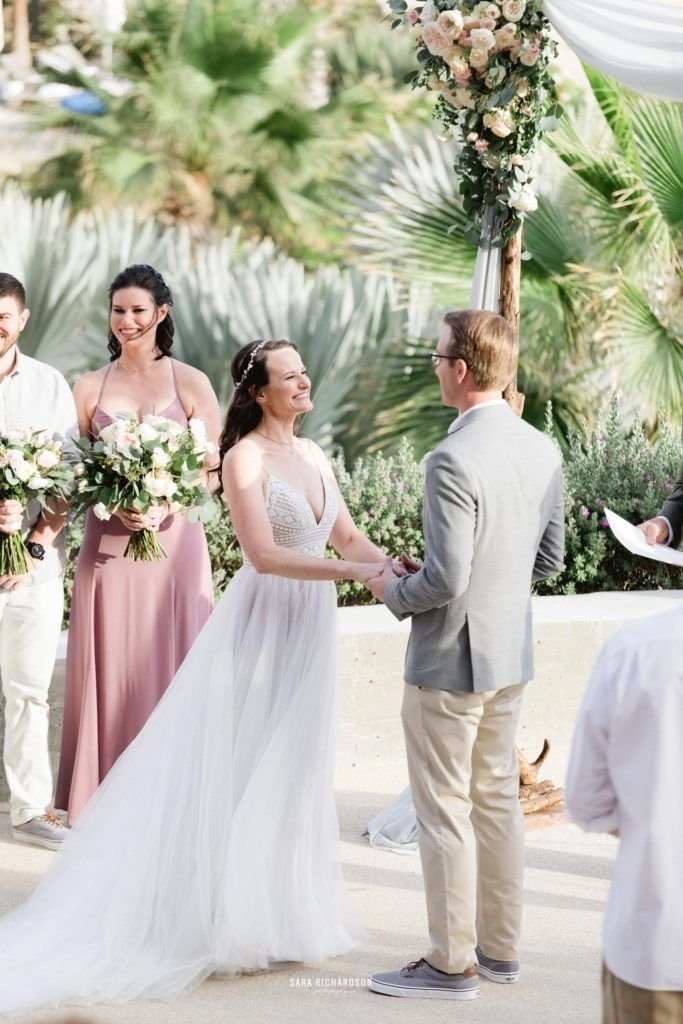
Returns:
(30,621)
(465,784)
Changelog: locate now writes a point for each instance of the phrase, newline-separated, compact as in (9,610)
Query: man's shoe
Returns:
(46,830)
(419,980)
(504,972)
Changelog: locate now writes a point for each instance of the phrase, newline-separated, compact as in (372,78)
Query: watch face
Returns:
(35,550)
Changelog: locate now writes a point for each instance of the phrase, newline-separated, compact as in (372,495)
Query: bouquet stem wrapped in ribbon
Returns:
(32,468)
(136,464)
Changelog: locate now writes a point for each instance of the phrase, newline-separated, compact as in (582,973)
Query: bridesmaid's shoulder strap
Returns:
(102,385)
(175,379)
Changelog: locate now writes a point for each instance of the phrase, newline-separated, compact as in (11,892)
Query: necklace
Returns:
(287,444)
(122,366)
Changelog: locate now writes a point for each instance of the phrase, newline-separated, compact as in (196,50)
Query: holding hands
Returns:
(403,566)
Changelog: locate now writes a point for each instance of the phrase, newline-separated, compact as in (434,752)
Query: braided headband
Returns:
(255,350)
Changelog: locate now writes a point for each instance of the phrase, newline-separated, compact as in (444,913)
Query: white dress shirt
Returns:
(625,772)
(34,394)
(457,422)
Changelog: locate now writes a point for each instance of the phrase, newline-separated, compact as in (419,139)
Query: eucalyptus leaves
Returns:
(490,64)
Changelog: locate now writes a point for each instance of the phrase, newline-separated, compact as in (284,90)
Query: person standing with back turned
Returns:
(493,523)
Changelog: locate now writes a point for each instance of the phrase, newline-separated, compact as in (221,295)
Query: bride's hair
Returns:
(249,374)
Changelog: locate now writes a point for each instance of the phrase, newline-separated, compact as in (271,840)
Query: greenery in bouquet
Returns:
(33,467)
(489,63)
(135,464)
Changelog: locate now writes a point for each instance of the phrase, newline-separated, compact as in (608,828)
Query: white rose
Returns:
(459,66)
(429,12)
(505,36)
(47,459)
(436,42)
(155,485)
(170,488)
(500,121)
(37,483)
(172,444)
(22,469)
(492,11)
(464,98)
(146,432)
(479,59)
(523,87)
(160,458)
(513,10)
(483,39)
(530,56)
(526,201)
(79,469)
(101,511)
(108,434)
(450,23)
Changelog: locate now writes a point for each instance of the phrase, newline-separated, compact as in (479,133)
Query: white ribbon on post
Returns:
(486,281)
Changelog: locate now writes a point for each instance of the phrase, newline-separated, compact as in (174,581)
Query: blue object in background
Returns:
(85,103)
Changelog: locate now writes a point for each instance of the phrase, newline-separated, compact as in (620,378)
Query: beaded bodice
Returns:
(292,519)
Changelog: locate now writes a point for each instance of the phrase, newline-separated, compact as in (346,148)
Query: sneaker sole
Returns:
(500,977)
(422,993)
(47,844)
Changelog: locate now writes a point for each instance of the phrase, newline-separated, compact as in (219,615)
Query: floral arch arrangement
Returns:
(489,62)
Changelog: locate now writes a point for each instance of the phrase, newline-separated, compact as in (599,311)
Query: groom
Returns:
(493,523)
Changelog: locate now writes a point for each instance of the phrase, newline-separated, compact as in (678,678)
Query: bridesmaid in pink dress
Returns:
(132,623)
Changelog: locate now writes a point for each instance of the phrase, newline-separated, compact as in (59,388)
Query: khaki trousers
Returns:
(30,622)
(465,784)
(623,1003)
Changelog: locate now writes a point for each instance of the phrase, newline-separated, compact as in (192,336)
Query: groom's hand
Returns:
(409,564)
(376,586)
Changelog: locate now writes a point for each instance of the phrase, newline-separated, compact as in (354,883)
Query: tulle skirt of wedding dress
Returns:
(395,826)
(212,844)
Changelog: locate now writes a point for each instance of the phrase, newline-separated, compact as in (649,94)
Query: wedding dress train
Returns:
(212,844)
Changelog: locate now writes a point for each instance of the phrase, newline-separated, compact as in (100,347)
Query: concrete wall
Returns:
(568,633)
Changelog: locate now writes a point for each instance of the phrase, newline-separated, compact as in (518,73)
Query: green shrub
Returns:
(604,467)
(625,472)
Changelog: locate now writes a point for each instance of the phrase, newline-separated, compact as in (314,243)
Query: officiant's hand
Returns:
(376,586)
(656,530)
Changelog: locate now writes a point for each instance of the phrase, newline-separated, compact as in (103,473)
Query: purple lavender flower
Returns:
(585,512)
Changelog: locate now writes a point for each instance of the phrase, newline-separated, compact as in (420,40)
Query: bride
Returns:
(212,844)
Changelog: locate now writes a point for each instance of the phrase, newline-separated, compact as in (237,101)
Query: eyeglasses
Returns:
(435,356)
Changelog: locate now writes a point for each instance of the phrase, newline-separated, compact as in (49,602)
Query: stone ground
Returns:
(566,881)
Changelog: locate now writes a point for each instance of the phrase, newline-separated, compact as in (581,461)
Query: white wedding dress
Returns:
(212,844)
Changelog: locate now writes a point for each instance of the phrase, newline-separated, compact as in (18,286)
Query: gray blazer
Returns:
(493,522)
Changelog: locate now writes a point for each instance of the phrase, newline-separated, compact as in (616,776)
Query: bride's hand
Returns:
(364,571)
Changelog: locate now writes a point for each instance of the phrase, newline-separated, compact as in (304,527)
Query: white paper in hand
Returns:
(634,541)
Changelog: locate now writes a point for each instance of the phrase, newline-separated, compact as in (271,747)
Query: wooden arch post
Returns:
(510,274)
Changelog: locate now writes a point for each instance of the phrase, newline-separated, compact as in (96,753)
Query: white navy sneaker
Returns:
(46,830)
(504,972)
(419,980)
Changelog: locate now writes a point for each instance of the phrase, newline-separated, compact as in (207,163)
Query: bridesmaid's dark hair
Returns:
(140,275)
(249,373)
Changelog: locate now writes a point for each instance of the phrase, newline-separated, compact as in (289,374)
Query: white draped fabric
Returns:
(638,42)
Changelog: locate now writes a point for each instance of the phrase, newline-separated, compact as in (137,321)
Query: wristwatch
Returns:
(35,550)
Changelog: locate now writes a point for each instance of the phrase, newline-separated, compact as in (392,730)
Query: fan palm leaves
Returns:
(601,287)
(227,292)
(230,118)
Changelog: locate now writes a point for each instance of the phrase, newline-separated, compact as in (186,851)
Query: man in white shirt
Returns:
(624,777)
(36,395)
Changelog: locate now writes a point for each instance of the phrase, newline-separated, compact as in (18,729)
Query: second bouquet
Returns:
(135,464)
